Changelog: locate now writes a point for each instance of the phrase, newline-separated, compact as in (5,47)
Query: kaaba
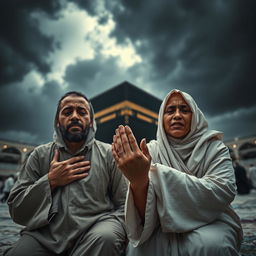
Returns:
(126,104)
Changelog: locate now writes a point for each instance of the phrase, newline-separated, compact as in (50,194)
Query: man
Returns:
(8,184)
(252,175)
(180,203)
(243,184)
(69,193)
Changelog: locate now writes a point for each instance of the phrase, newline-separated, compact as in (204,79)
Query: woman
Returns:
(181,185)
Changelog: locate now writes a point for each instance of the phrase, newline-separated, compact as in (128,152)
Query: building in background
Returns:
(123,104)
(12,154)
(128,105)
(243,149)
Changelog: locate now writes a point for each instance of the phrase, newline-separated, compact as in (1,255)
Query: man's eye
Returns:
(82,112)
(67,113)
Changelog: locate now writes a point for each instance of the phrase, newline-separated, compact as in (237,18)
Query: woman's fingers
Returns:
(132,140)
(124,140)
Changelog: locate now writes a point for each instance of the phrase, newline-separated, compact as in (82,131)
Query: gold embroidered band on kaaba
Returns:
(126,108)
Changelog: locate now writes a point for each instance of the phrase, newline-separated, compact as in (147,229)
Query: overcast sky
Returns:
(48,47)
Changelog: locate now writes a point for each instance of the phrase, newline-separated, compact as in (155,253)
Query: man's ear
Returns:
(58,124)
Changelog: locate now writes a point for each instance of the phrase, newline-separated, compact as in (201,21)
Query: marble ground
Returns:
(244,205)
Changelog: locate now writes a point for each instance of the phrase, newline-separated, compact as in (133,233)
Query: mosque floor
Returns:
(244,205)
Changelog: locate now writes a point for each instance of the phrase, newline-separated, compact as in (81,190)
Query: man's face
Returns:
(74,118)
(177,117)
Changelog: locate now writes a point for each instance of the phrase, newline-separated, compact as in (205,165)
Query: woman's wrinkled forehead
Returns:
(176,98)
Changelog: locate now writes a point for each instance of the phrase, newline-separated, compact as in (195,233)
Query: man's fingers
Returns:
(78,167)
(78,176)
(55,167)
(132,140)
(80,164)
(74,159)
(80,170)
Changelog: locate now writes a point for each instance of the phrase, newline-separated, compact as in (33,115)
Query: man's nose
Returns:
(74,116)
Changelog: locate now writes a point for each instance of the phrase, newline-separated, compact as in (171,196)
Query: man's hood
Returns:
(58,139)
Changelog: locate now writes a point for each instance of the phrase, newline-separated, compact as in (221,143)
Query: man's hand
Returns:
(133,161)
(65,172)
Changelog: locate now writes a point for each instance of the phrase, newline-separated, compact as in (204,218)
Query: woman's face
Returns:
(177,116)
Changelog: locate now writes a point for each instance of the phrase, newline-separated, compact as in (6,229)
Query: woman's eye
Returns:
(185,111)
(170,111)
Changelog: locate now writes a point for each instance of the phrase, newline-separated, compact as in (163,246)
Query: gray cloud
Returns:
(211,44)
(82,73)
(204,48)
(22,46)
(95,76)
(241,119)
(29,110)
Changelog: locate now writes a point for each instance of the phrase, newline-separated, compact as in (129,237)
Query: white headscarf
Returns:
(184,154)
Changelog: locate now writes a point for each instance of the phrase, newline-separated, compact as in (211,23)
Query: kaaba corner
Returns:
(126,104)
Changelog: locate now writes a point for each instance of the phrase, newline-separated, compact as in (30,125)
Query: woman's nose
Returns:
(177,114)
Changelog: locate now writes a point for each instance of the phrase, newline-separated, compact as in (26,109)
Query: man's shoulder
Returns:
(102,145)
(102,150)
(44,147)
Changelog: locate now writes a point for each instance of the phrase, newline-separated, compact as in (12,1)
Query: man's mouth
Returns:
(75,127)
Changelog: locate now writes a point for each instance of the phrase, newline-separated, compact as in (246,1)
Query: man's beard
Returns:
(77,136)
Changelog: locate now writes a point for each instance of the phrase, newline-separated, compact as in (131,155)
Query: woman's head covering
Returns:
(185,153)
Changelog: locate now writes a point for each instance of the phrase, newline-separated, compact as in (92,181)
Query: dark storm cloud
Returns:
(89,6)
(211,43)
(96,8)
(22,46)
(29,110)
(95,76)
(236,124)
(82,73)
(206,48)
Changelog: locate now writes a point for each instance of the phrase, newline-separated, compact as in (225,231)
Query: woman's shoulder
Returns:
(152,144)
(216,145)
(153,147)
